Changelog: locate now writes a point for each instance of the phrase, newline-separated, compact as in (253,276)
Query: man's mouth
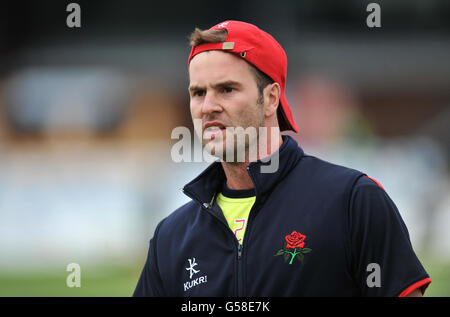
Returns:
(213,129)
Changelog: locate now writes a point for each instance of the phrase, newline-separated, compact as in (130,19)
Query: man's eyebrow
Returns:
(227,83)
(194,88)
(217,85)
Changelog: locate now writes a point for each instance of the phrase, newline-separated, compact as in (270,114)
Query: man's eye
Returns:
(228,89)
(199,93)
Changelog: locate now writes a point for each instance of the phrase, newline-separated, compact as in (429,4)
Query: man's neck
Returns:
(237,175)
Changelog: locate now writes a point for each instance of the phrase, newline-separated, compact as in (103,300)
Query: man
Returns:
(308,228)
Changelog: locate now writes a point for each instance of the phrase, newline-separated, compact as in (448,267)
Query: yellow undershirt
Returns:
(236,211)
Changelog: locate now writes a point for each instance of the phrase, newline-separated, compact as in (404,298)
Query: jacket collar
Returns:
(205,186)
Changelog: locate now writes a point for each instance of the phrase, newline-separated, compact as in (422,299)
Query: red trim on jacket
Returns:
(423,284)
(378,183)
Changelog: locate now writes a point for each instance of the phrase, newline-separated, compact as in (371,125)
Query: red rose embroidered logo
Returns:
(295,247)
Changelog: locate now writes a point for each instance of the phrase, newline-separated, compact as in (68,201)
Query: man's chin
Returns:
(214,147)
(219,150)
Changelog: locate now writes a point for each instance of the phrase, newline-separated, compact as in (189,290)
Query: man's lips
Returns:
(212,129)
(213,124)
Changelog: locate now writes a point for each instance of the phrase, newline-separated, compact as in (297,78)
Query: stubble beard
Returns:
(244,144)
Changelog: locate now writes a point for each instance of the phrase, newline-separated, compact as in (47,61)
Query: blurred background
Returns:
(86,116)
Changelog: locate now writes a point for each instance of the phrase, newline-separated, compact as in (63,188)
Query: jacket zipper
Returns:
(240,273)
(240,247)
(207,207)
(240,268)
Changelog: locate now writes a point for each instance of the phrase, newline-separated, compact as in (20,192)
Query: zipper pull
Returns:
(209,205)
(239,251)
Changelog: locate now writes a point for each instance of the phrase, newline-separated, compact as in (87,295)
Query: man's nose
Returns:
(211,104)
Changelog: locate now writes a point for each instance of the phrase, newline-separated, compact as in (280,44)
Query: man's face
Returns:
(223,93)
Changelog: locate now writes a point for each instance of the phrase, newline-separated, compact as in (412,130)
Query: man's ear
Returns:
(272,93)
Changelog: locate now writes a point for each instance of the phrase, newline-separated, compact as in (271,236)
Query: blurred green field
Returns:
(121,281)
(439,272)
(96,281)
